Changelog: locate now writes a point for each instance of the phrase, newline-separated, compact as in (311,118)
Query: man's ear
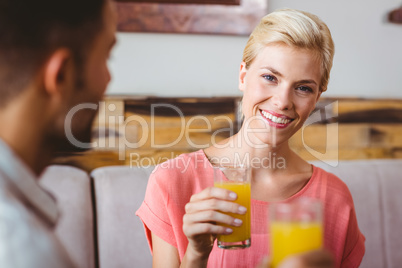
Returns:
(58,71)
(242,75)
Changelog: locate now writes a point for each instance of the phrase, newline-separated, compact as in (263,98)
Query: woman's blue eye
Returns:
(305,89)
(269,77)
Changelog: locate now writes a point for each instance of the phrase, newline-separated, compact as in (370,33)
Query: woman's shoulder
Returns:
(181,169)
(335,187)
(183,163)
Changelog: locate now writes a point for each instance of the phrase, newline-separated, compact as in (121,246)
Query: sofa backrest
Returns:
(119,192)
(376,187)
(75,229)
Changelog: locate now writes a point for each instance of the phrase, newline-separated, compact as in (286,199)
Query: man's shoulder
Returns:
(15,215)
(13,212)
(21,231)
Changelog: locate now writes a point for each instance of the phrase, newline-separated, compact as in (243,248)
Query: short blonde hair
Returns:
(296,29)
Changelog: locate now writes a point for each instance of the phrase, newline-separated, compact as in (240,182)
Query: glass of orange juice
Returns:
(295,228)
(236,179)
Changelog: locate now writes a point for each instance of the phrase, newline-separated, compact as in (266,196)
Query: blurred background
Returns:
(355,131)
(188,56)
(368,58)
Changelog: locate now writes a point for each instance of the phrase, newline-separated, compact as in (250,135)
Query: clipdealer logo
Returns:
(146,130)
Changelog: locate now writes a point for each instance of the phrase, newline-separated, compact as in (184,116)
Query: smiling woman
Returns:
(286,66)
(281,85)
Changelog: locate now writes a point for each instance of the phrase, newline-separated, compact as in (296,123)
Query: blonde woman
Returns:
(285,69)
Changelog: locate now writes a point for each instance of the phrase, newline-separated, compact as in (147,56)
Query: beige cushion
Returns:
(72,189)
(376,187)
(391,202)
(119,191)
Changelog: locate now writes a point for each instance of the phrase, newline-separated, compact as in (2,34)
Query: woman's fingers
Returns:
(319,259)
(214,192)
(264,263)
(193,230)
(206,213)
(211,216)
(214,198)
(312,259)
(214,204)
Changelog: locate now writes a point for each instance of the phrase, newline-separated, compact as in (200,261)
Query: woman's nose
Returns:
(283,99)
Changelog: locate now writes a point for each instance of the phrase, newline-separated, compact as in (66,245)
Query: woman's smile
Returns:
(276,120)
(281,88)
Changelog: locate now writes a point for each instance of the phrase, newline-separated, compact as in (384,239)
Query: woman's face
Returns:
(281,88)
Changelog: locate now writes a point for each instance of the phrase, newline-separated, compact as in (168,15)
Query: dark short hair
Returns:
(30,30)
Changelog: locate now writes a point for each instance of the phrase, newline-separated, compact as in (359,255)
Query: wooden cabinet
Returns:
(140,131)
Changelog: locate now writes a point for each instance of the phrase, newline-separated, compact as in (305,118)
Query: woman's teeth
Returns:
(274,118)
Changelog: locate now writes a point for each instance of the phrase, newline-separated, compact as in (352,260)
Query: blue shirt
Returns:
(27,217)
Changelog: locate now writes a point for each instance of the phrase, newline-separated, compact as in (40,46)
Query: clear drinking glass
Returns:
(295,227)
(236,179)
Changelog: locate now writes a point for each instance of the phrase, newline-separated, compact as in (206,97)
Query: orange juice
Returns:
(288,238)
(241,233)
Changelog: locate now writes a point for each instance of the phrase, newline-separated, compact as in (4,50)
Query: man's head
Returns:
(92,77)
(31,30)
(53,56)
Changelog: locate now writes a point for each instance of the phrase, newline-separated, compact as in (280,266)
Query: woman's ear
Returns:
(58,71)
(319,95)
(242,75)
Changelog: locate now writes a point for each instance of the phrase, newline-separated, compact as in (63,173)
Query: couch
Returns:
(99,228)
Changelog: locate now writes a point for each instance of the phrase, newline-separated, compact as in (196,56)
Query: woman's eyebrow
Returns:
(307,81)
(276,72)
(273,70)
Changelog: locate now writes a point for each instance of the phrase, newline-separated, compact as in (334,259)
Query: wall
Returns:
(368,58)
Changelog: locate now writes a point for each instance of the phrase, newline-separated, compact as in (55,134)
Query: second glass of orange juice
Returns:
(295,228)
(236,179)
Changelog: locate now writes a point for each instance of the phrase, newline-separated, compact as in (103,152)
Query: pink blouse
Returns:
(172,184)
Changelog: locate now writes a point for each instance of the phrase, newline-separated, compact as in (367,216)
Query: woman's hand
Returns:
(312,259)
(203,214)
